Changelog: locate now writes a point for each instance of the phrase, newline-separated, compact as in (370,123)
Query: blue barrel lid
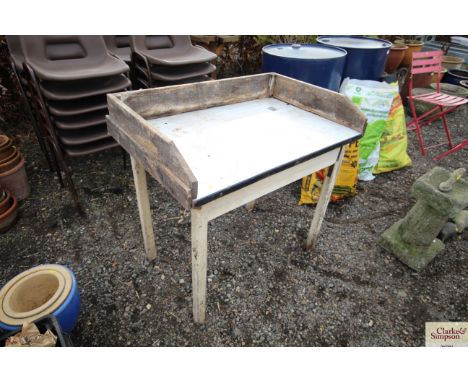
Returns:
(304,51)
(354,42)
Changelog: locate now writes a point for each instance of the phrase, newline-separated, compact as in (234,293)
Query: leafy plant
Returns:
(285,39)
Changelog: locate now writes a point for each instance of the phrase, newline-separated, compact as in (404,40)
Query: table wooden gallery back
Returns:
(218,145)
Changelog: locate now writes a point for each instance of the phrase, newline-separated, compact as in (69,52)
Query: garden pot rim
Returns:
(11,209)
(5,200)
(9,158)
(54,303)
(5,140)
(5,148)
(14,169)
(398,46)
(409,42)
(453,60)
(16,157)
(451,72)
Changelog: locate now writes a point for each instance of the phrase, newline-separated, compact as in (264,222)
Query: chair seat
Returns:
(79,69)
(174,57)
(81,121)
(83,136)
(90,148)
(180,73)
(62,91)
(441,99)
(78,106)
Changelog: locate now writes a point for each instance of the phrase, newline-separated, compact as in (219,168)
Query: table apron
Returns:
(264,186)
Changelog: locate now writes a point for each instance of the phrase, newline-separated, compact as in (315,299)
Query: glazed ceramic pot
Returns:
(15,180)
(395,56)
(40,291)
(455,76)
(11,163)
(8,218)
(413,46)
(452,62)
(4,201)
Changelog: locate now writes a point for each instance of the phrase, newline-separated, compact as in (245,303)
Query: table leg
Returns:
(322,204)
(141,188)
(199,263)
(250,205)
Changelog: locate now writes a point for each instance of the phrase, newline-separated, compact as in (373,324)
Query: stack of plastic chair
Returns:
(17,61)
(119,46)
(168,60)
(68,78)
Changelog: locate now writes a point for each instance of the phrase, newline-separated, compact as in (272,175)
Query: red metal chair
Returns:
(430,62)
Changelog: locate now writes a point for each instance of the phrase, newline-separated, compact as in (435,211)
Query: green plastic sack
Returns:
(375,100)
(394,140)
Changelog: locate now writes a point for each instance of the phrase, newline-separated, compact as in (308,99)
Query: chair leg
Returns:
(456,148)
(68,179)
(447,132)
(417,126)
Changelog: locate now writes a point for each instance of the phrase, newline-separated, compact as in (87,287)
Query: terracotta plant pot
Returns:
(8,218)
(421,80)
(413,46)
(6,153)
(394,58)
(12,152)
(452,62)
(434,75)
(4,202)
(8,165)
(5,141)
(15,180)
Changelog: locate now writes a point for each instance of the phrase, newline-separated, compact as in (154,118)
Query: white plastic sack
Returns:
(375,100)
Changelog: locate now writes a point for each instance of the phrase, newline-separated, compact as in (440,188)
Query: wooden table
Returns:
(218,145)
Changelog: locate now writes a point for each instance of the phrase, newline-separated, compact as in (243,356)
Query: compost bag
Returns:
(374,99)
(394,140)
(346,179)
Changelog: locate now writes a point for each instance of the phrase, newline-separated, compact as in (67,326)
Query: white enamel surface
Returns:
(229,144)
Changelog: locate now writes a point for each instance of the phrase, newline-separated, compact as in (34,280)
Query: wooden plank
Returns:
(141,188)
(169,100)
(326,103)
(199,263)
(143,151)
(255,190)
(322,204)
(162,149)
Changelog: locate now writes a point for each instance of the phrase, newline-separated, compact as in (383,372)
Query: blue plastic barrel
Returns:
(313,63)
(366,56)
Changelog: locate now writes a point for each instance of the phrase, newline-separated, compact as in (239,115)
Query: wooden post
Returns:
(141,188)
(325,194)
(199,263)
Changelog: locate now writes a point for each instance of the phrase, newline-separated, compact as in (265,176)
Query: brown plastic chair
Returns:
(182,72)
(72,90)
(170,50)
(69,58)
(119,46)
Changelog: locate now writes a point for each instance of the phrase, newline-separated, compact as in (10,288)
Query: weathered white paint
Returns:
(225,145)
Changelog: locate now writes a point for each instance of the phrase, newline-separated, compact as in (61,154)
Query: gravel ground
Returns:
(264,289)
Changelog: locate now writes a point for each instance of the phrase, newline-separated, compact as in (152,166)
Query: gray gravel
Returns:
(264,289)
